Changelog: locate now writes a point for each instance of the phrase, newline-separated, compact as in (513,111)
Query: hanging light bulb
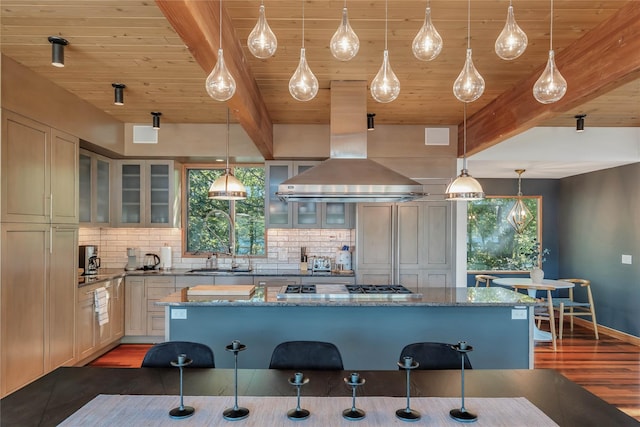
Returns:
(519,215)
(344,43)
(262,43)
(550,86)
(227,186)
(303,85)
(469,85)
(427,44)
(385,86)
(464,187)
(512,41)
(220,84)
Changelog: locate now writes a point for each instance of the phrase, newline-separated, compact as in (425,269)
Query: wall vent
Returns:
(436,136)
(144,135)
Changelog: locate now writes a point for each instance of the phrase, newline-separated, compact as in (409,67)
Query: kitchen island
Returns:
(369,332)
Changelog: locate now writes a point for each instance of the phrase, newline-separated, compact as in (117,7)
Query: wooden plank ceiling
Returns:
(132,42)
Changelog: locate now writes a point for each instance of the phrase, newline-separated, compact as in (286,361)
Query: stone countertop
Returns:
(105,274)
(443,297)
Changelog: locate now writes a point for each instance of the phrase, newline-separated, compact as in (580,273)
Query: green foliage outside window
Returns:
(493,244)
(207,230)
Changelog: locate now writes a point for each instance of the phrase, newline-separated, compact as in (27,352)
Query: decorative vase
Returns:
(537,275)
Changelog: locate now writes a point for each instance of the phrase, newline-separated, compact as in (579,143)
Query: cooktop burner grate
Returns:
(351,289)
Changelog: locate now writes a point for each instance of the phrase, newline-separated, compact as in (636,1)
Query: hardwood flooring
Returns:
(608,367)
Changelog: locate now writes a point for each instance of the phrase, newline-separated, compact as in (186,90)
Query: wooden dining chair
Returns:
(484,278)
(576,308)
(547,314)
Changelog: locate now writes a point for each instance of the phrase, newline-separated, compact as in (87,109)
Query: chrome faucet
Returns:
(232,233)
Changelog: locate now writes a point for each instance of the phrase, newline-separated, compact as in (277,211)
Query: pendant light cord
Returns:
(303,23)
(386,18)
(227,169)
(469,24)
(220,24)
(551,28)
(464,138)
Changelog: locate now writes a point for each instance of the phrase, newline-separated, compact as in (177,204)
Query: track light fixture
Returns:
(370,123)
(118,93)
(57,50)
(156,119)
(580,122)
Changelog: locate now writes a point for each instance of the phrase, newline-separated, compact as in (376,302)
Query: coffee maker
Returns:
(88,259)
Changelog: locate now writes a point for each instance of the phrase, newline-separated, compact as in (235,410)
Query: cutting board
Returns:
(244,290)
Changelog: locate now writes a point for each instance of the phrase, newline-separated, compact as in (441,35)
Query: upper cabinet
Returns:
(146,193)
(95,189)
(281,214)
(39,172)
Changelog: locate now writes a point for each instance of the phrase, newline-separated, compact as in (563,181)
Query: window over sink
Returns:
(206,221)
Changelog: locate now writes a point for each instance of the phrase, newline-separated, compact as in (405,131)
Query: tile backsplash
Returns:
(283,245)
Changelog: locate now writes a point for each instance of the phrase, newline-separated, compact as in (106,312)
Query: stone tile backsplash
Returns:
(283,245)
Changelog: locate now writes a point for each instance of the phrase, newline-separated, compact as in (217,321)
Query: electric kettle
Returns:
(150,261)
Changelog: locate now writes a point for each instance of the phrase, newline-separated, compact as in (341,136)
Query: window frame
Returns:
(185,204)
(539,221)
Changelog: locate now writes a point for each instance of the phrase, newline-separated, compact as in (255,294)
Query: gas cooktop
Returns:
(340,291)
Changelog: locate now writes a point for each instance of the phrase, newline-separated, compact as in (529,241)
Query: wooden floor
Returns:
(608,368)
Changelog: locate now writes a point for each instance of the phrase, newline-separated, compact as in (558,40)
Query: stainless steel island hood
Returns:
(348,176)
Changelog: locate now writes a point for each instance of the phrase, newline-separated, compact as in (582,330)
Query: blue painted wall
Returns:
(600,221)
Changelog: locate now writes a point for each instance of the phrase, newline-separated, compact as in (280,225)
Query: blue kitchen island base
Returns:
(370,336)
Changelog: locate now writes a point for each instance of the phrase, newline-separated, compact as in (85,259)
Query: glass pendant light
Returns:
(227,186)
(469,85)
(550,86)
(427,44)
(262,43)
(519,216)
(512,41)
(464,187)
(385,86)
(303,85)
(344,43)
(220,84)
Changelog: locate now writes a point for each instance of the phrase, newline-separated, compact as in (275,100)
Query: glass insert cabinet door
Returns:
(159,187)
(278,212)
(131,193)
(307,214)
(85,188)
(103,180)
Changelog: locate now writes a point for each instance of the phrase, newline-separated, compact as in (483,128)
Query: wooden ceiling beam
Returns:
(198,25)
(598,62)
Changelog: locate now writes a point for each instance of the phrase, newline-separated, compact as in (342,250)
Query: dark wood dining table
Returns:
(56,396)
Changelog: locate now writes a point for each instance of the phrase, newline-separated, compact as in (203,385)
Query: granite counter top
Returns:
(445,297)
(105,274)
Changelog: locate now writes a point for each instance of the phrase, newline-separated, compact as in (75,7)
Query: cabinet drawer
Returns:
(160,282)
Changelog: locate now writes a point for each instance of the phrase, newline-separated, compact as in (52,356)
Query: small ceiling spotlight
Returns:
(118,93)
(156,119)
(580,122)
(57,50)
(370,124)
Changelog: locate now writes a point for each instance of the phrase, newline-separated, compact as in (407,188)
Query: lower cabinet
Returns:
(91,337)
(142,316)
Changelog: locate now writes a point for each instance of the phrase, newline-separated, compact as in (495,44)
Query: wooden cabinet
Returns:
(146,193)
(157,288)
(95,189)
(39,285)
(135,303)
(93,338)
(39,172)
(63,286)
(142,316)
(406,243)
(279,214)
